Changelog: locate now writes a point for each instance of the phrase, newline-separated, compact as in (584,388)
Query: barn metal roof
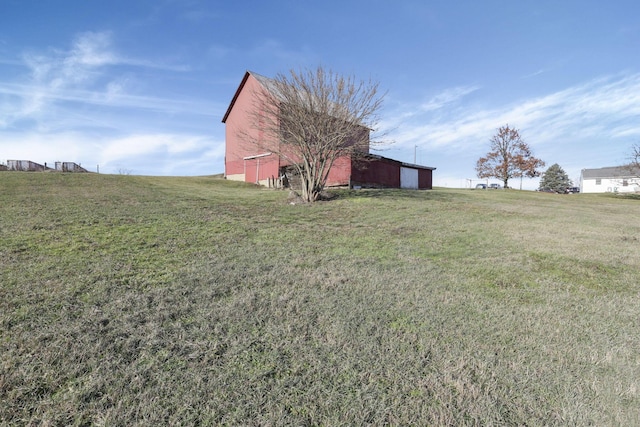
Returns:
(269,84)
(611,172)
(405,164)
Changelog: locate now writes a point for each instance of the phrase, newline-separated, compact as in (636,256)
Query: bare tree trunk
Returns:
(309,119)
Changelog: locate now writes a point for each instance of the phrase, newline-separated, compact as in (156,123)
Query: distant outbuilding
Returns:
(616,179)
(25,166)
(29,166)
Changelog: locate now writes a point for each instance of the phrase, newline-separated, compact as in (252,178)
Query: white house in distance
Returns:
(617,179)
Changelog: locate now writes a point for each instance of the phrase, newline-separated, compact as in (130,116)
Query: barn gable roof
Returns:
(235,96)
(611,172)
(266,82)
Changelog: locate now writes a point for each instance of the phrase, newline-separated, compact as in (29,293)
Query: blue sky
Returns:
(140,86)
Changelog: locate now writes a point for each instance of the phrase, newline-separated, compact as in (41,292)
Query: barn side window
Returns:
(625,183)
(598,181)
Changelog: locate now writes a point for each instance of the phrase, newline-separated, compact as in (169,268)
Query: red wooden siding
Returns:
(260,169)
(377,173)
(238,119)
(340,173)
(385,173)
(425,179)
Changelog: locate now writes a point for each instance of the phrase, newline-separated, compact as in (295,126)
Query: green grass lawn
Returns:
(131,300)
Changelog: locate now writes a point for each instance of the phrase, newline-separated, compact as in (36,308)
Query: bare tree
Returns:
(311,118)
(510,157)
(635,156)
(632,169)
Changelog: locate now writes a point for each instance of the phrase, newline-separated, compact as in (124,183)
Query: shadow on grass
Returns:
(631,196)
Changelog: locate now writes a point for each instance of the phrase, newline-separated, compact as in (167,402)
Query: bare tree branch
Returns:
(312,118)
(635,156)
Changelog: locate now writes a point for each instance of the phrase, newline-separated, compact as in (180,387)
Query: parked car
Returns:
(572,190)
(481,186)
(495,186)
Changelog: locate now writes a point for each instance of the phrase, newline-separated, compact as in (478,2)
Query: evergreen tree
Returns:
(555,179)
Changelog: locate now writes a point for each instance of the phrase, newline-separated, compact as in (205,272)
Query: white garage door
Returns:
(408,178)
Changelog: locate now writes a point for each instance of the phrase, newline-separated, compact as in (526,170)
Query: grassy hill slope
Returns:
(131,300)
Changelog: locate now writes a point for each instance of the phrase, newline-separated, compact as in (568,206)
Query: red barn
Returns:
(250,163)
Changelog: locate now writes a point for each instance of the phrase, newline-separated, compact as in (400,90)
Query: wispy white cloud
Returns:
(605,108)
(135,145)
(80,74)
(447,97)
(87,104)
(92,49)
(58,69)
(114,94)
(83,75)
(534,74)
(406,122)
(172,154)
